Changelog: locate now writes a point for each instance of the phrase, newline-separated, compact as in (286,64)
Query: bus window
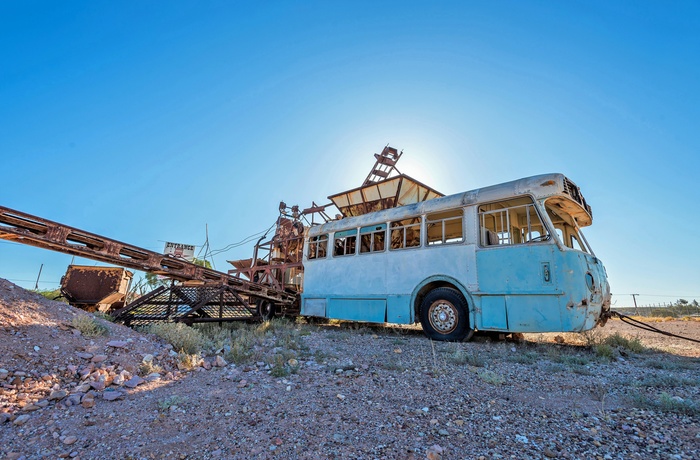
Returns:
(510,222)
(564,224)
(444,227)
(405,233)
(317,246)
(372,238)
(345,242)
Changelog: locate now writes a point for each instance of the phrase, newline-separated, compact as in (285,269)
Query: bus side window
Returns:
(372,238)
(344,243)
(510,222)
(444,227)
(405,233)
(317,246)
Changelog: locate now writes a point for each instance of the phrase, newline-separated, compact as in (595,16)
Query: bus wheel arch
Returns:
(444,309)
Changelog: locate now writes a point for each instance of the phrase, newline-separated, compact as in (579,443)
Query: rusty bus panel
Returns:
(96,288)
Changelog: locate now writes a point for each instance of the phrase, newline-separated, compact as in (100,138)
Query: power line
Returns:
(662,295)
(240,243)
(31,281)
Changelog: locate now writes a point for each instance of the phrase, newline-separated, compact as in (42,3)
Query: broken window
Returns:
(372,238)
(564,224)
(444,227)
(345,242)
(510,222)
(405,233)
(318,246)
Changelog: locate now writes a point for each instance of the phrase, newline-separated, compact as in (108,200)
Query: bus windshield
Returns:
(564,224)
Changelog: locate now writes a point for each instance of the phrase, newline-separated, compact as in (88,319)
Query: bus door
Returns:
(516,262)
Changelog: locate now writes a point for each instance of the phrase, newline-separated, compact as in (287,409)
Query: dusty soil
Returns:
(352,392)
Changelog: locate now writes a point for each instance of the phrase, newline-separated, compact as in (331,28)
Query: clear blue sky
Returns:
(145,121)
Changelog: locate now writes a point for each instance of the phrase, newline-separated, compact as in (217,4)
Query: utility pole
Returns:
(634,297)
(36,286)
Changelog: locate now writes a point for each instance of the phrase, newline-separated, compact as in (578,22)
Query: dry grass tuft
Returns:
(89,326)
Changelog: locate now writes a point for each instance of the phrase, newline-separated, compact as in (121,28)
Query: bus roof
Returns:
(540,186)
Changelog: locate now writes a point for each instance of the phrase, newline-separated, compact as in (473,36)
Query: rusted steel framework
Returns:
(36,231)
(189,304)
(278,261)
(384,165)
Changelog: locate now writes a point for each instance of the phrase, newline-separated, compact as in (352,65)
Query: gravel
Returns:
(349,391)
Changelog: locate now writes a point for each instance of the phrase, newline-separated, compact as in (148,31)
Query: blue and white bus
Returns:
(509,258)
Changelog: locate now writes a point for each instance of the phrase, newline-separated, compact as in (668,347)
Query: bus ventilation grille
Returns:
(575,193)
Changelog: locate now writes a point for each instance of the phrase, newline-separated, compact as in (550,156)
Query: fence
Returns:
(662,310)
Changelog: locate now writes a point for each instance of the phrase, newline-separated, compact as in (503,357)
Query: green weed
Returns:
(667,403)
(89,326)
(183,338)
(491,377)
(164,405)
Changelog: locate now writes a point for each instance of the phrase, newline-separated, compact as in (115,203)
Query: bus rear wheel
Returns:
(444,315)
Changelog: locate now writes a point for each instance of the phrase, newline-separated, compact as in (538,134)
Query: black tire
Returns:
(444,315)
(266,309)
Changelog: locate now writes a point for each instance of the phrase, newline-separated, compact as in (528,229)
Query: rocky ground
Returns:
(341,391)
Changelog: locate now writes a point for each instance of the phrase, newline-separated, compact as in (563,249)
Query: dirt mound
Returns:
(21,308)
(45,359)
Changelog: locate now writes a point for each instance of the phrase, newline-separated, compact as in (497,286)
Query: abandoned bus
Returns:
(507,258)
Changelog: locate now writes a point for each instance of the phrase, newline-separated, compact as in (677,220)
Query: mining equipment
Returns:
(267,285)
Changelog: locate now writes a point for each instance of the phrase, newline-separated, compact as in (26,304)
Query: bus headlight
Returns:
(590,282)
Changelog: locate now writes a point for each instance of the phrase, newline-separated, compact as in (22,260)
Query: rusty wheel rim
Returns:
(443,316)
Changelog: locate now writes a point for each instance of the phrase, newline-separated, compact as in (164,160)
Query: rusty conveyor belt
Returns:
(27,229)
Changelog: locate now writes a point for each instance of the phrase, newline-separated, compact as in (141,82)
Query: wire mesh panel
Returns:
(188,304)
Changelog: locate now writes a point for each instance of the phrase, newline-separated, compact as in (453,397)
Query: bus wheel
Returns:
(443,315)
(266,309)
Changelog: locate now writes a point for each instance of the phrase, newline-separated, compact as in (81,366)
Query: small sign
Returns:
(179,251)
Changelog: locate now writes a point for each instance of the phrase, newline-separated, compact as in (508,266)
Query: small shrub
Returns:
(164,405)
(617,340)
(279,370)
(667,403)
(491,377)
(592,337)
(554,353)
(669,364)
(553,368)
(189,361)
(581,370)
(89,326)
(604,351)
(524,357)
(322,355)
(239,353)
(574,360)
(392,365)
(462,357)
(183,338)
(149,367)
(103,315)
(666,381)
(282,367)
